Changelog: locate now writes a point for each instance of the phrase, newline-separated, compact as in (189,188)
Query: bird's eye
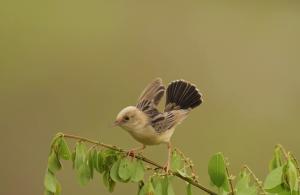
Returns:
(126,118)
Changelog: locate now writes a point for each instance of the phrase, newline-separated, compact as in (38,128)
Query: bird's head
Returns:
(131,118)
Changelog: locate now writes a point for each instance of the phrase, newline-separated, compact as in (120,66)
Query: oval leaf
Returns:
(50,182)
(147,189)
(64,151)
(114,172)
(138,171)
(125,169)
(84,174)
(291,175)
(217,169)
(53,162)
(277,160)
(157,184)
(273,179)
(80,157)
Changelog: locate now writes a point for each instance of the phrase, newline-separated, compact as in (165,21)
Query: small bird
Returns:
(147,124)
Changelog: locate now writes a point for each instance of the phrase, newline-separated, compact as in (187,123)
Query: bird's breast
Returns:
(149,136)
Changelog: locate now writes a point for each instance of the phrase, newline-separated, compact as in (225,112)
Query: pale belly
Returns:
(148,136)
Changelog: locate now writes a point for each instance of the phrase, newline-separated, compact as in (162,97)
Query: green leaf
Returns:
(50,182)
(138,171)
(99,166)
(58,188)
(54,141)
(126,169)
(46,192)
(105,178)
(82,163)
(147,189)
(287,192)
(189,189)
(273,180)
(106,159)
(291,175)
(217,169)
(176,162)
(243,185)
(53,162)
(157,184)
(111,186)
(167,188)
(84,174)
(226,184)
(95,159)
(108,182)
(64,151)
(73,159)
(114,172)
(91,162)
(80,157)
(277,160)
(170,189)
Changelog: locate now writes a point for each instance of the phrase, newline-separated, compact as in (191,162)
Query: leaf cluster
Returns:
(114,166)
(283,178)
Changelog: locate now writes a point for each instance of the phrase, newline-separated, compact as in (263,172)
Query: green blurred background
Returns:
(70,66)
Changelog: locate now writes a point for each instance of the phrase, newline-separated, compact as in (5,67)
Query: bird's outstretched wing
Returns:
(150,98)
(182,97)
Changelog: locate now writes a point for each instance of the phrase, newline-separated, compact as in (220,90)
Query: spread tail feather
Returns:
(182,95)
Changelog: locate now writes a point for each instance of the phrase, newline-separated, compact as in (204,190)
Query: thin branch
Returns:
(140,157)
(190,164)
(230,180)
(258,183)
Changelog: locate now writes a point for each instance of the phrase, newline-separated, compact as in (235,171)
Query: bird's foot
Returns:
(131,153)
(166,167)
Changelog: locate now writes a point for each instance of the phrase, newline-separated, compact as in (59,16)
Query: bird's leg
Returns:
(132,151)
(168,163)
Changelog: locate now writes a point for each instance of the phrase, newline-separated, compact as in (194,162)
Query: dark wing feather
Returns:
(182,95)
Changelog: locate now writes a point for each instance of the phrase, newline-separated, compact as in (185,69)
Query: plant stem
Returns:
(140,157)
(255,179)
(230,180)
(190,164)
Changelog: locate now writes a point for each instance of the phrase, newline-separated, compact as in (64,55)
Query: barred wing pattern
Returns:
(153,93)
(182,97)
(167,120)
(151,97)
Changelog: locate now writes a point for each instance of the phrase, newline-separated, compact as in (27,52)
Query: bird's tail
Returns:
(182,95)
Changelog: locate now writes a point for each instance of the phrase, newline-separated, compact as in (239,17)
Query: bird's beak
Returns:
(117,122)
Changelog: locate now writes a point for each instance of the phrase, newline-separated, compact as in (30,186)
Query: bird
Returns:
(149,126)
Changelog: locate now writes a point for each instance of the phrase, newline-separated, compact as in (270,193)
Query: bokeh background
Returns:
(70,66)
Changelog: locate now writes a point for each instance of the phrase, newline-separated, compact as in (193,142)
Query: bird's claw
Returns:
(131,153)
(166,167)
